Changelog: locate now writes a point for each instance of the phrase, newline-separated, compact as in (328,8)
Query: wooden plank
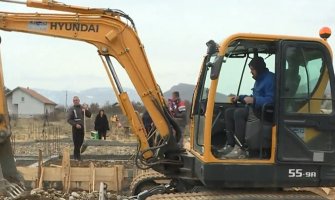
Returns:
(66,170)
(53,165)
(80,174)
(75,185)
(52,174)
(106,175)
(28,173)
(78,177)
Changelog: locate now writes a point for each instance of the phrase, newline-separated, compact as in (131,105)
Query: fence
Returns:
(29,132)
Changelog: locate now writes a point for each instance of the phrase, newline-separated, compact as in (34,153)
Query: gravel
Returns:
(52,194)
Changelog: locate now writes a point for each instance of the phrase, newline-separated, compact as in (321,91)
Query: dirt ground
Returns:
(55,136)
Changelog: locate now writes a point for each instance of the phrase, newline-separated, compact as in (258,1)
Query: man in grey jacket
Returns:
(76,119)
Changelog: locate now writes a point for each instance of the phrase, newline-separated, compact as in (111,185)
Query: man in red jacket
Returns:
(177,109)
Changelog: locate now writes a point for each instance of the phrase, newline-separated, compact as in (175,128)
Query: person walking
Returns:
(76,119)
(101,124)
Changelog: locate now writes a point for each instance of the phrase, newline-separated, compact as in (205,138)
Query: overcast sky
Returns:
(174,34)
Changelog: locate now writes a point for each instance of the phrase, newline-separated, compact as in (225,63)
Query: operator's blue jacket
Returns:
(263,91)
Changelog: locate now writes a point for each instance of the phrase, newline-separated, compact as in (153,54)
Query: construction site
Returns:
(44,157)
(259,124)
(43,153)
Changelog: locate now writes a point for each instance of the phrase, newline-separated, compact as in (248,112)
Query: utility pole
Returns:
(65,101)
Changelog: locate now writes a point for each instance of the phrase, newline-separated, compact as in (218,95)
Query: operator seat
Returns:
(258,135)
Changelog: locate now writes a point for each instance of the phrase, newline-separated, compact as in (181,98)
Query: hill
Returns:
(92,95)
(106,95)
(185,91)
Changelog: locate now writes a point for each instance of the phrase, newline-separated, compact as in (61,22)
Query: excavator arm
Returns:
(109,32)
(9,177)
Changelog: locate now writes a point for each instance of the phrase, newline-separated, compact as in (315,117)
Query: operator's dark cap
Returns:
(258,64)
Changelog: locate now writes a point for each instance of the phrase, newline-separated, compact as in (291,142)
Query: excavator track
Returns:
(145,179)
(237,196)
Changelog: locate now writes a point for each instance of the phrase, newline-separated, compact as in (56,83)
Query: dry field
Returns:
(52,137)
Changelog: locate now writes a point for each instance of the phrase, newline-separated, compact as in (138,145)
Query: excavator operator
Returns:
(236,117)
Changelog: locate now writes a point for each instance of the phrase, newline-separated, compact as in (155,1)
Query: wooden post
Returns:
(92,178)
(102,191)
(32,131)
(66,170)
(117,179)
(39,169)
(40,183)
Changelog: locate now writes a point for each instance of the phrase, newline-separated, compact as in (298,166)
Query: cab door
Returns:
(306,121)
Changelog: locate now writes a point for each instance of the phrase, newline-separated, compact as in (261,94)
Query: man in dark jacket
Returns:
(76,119)
(236,117)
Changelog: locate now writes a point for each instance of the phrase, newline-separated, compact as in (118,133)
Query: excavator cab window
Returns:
(306,106)
(234,78)
(303,76)
(200,103)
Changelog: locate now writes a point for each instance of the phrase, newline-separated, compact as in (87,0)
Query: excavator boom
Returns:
(8,171)
(54,5)
(105,29)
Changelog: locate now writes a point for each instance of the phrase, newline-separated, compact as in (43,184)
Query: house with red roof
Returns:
(25,102)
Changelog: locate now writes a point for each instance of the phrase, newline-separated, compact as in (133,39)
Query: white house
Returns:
(25,102)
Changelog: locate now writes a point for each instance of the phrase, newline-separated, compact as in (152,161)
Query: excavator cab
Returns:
(234,78)
(292,138)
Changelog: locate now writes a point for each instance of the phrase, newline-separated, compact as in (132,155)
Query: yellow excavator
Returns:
(291,144)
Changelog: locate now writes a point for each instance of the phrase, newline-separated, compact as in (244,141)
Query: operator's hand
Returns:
(233,99)
(248,100)
(78,126)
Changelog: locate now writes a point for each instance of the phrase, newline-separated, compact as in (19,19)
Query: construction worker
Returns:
(76,118)
(177,109)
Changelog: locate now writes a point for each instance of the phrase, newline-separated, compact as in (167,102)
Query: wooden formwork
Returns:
(72,178)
